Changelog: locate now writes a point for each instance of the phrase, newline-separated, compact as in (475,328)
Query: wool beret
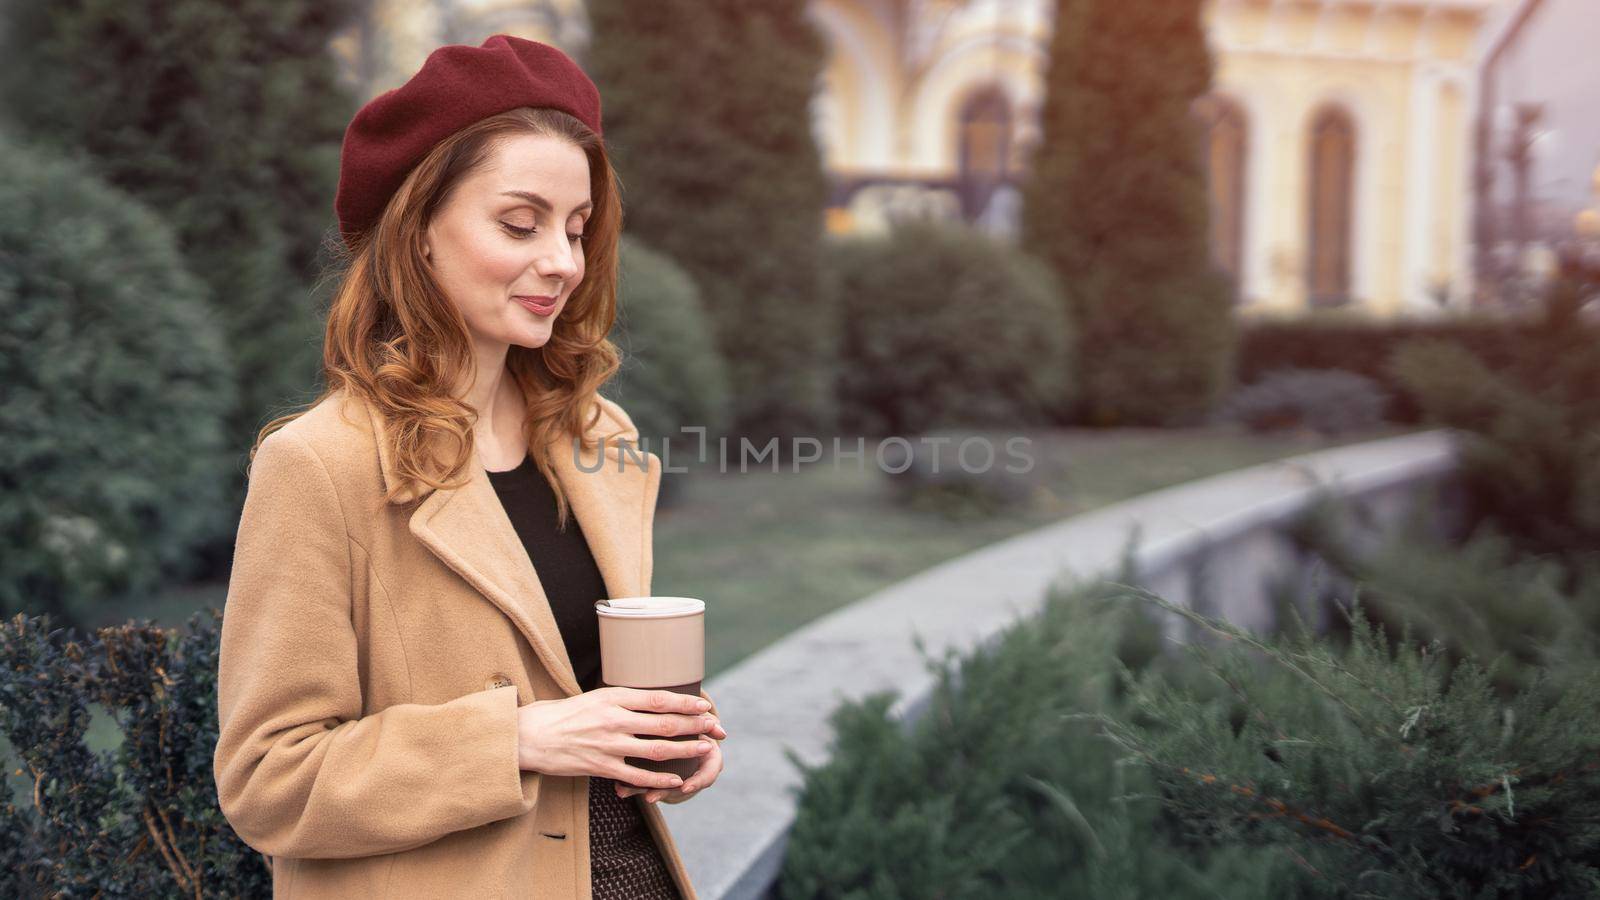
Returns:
(456,86)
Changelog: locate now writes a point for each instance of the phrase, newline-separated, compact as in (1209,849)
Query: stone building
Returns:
(1339,135)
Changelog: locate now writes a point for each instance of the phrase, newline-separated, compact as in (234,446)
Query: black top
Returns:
(625,863)
(562,559)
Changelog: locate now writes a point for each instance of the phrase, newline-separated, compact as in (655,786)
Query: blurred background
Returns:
(1172,246)
(1161,241)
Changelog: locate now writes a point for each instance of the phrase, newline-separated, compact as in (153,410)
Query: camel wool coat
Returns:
(373,658)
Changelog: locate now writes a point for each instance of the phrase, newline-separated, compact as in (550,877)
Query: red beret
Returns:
(456,86)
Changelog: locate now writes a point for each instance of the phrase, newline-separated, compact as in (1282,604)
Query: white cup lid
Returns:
(650,606)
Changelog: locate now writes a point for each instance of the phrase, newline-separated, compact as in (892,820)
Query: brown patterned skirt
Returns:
(624,862)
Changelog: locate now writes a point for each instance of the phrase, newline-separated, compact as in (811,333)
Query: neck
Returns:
(492,393)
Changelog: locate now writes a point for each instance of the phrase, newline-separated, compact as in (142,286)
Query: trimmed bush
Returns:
(672,374)
(228,119)
(1367,347)
(941,327)
(117,383)
(137,820)
(1327,401)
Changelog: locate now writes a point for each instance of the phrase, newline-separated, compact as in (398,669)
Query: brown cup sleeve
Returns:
(683,766)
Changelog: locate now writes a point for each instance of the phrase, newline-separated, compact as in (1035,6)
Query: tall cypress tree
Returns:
(1117,203)
(707,107)
(227,119)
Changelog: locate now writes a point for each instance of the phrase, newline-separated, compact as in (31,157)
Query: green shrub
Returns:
(1390,774)
(941,326)
(1327,401)
(117,383)
(139,820)
(1367,347)
(997,790)
(1480,598)
(227,118)
(1161,356)
(724,176)
(672,374)
(1115,201)
(1529,434)
(928,474)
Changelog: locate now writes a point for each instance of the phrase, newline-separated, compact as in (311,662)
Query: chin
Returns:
(532,341)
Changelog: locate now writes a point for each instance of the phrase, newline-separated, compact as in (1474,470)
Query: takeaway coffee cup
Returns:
(656,643)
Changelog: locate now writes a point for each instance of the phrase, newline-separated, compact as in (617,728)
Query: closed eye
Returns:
(520,233)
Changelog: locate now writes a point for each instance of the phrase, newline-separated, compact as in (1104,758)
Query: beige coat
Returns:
(368,736)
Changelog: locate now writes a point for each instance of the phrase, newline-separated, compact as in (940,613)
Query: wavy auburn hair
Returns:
(395,340)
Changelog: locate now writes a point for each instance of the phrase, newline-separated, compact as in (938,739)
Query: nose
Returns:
(559,263)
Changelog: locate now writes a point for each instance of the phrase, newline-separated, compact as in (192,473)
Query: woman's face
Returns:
(507,231)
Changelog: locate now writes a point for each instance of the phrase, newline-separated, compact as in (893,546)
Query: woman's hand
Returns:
(704,777)
(591,733)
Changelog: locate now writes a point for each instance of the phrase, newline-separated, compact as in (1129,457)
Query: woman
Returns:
(408,683)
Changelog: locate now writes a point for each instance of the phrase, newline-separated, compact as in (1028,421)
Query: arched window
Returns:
(984,136)
(1225,139)
(1331,206)
(983,149)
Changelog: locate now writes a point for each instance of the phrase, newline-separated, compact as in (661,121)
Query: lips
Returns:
(539,306)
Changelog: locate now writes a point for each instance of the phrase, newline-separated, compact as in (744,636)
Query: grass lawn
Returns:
(771,551)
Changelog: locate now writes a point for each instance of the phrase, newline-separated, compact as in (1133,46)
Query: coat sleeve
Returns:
(299,771)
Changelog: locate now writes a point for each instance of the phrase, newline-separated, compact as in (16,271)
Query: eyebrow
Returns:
(542,203)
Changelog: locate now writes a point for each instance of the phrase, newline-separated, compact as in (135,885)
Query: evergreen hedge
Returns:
(1481,597)
(117,384)
(139,819)
(1115,201)
(708,117)
(1386,770)
(1072,759)
(1367,347)
(226,119)
(1529,431)
(941,326)
(1001,787)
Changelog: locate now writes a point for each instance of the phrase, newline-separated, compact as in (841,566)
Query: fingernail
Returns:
(702,704)
(705,746)
(688,789)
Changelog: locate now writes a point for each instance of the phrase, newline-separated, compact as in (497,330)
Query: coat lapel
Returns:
(467,528)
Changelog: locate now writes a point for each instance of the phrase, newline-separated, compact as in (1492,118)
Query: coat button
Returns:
(497,680)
